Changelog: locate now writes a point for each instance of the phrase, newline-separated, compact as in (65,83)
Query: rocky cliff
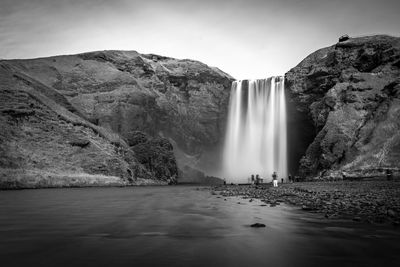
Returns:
(112,114)
(120,117)
(347,99)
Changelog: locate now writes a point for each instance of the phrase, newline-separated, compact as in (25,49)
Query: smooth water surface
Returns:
(176,226)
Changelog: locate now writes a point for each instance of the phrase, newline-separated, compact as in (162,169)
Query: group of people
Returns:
(257,179)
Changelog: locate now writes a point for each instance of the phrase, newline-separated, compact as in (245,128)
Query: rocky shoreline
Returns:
(362,201)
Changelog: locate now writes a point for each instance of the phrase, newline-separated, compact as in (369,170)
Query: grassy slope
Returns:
(39,137)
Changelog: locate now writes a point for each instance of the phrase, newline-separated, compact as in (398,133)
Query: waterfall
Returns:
(256,139)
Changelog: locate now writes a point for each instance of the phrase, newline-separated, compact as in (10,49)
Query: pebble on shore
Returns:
(257,225)
(360,201)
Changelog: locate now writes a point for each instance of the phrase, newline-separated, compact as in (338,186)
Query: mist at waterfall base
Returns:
(256,135)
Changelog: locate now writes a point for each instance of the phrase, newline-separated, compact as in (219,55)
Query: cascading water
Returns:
(256,139)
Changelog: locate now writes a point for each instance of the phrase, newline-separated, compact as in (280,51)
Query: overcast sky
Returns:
(245,38)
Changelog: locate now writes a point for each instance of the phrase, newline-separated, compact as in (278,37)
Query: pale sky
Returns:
(245,38)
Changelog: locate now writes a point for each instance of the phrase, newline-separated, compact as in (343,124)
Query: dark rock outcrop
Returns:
(156,154)
(349,95)
(257,225)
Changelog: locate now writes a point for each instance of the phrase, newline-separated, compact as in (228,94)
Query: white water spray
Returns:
(256,138)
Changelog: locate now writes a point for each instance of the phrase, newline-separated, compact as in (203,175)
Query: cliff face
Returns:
(137,106)
(45,142)
(349,94)
(117,117)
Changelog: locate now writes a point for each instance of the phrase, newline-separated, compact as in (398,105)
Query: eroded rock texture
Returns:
(43,144)
(349,94)
(116,113)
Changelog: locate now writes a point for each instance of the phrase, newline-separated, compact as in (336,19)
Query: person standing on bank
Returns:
(275,179)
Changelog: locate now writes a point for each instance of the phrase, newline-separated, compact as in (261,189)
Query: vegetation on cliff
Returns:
(117,93)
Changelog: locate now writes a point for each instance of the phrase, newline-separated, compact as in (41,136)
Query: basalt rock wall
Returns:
(347,96)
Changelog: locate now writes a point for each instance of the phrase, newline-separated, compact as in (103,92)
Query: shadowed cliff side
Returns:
(349,95)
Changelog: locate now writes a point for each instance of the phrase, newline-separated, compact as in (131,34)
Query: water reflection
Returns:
(175,226)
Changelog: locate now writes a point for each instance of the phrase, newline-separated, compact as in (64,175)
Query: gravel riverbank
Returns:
(364,201)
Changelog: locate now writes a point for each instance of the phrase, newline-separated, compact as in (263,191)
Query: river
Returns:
(177,226)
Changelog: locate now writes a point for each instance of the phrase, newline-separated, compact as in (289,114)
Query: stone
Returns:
(343,38)
(306,208)
(79,142)
(257,225)
(391,213)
